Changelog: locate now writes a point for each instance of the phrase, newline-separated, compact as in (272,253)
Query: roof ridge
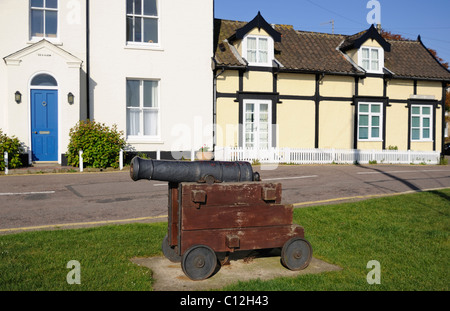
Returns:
(403,40)
(321,33)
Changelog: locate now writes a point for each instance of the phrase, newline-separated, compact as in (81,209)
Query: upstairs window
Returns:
(44,18)
(258,50)
(143,21)
(371,59)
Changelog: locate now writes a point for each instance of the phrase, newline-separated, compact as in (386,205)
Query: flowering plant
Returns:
(204,148)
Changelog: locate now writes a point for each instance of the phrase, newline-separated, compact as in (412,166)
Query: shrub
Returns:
(100,144)
(12,146)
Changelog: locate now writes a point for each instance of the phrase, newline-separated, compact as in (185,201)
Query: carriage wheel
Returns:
(296,254)
(170,252)
(199,262)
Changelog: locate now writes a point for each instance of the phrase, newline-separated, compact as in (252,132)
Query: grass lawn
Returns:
(408,235)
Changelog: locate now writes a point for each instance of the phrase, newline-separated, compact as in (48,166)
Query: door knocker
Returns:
(44,104)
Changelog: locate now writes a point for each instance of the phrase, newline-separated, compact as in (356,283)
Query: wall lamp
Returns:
(18,97)
(70,98)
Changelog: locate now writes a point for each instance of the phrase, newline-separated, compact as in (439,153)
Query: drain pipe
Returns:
(216,75)
(88,69)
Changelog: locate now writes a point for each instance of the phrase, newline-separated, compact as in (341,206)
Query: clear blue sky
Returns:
(428,18)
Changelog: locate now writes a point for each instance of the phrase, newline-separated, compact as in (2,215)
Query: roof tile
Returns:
(319,52)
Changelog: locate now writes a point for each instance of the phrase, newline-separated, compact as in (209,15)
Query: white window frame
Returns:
(370,126)
(380,59)
(44,9)
(142,44)
(421,127)
(141,137)
(270,50)
(256,140)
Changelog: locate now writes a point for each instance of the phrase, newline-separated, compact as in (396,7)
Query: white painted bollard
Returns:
(121,159)
(158,154)
(192,155)
(6,162)
(80,153)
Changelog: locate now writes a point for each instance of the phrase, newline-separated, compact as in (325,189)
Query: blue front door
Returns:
(44,125)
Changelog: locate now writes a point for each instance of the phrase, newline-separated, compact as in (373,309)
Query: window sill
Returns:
(144,140)
(143,46)
(371,140)
(54,41)
(260,64)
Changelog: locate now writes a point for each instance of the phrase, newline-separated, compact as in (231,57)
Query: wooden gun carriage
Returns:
(217,207)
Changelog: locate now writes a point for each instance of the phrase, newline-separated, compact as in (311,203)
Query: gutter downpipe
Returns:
(88,74)
(216,75)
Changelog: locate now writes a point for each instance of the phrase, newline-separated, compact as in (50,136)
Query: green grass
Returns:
(407,234)
(37,260)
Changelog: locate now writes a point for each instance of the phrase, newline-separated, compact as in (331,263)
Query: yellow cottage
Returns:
(275,86)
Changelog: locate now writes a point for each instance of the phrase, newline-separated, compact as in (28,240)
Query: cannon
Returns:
(199,171)
(218,207)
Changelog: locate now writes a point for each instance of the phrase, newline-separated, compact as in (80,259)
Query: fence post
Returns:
(158,154)
(6,162)
(409,156)
(121,159)
(80,160)
(192,154)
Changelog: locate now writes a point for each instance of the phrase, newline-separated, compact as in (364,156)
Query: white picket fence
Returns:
(326,156)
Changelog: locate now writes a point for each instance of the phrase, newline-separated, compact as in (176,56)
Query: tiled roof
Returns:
(411,59)
(309,51)
(319,52)
(223,30)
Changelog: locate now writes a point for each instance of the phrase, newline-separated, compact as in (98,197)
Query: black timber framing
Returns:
(317,98)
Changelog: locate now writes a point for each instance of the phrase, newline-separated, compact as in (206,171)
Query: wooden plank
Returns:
(249,238)
(231,193)
(235,216)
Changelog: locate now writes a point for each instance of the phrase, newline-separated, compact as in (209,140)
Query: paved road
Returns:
(74,200)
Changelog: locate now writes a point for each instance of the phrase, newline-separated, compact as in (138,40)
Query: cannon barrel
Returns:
(196,171)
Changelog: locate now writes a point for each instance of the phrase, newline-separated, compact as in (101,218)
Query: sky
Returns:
(428,18)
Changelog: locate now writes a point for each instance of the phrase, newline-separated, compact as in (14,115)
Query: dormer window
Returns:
(370,46)
(371,59)
(258,38)
(258,50)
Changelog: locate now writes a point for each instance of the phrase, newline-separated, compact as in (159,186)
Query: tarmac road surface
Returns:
(72,200)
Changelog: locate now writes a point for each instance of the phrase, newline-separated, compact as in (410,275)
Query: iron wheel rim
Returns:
(199,262)
(296,254)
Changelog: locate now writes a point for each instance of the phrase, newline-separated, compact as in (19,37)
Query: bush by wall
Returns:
(12,146)
(101,144)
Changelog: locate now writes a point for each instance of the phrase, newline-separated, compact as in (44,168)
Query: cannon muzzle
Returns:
(196,171)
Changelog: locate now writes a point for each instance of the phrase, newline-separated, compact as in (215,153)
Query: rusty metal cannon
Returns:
(221,207)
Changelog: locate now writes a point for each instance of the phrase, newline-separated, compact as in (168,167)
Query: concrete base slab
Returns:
(246,266)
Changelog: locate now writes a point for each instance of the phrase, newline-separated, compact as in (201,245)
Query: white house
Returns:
(144,65)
